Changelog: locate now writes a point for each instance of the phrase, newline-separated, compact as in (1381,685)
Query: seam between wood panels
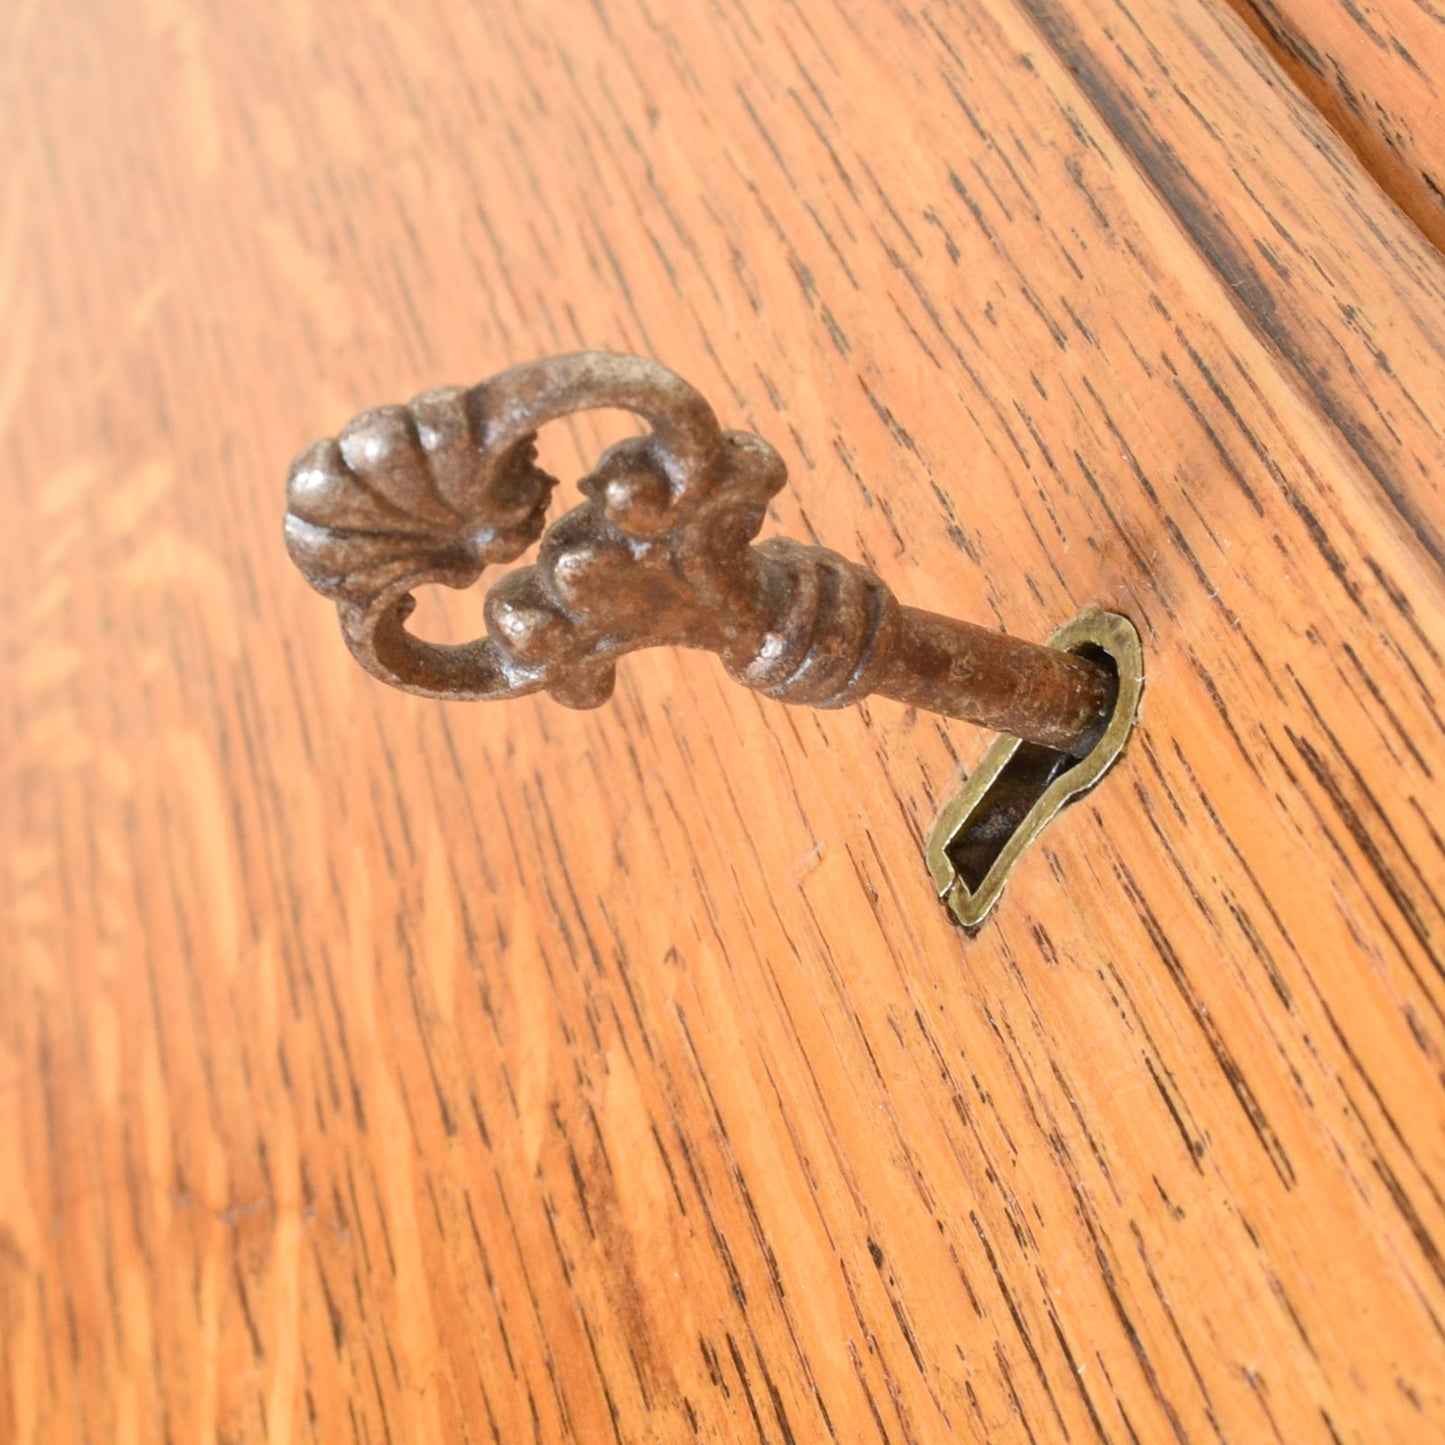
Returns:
(1391,171)
(1221,249)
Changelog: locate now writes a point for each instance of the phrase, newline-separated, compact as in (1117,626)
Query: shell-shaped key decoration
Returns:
(411,493)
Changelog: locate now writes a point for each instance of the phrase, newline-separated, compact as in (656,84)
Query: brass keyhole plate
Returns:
(983,833)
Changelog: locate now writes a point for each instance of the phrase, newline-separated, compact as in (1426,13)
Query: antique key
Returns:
(661,553)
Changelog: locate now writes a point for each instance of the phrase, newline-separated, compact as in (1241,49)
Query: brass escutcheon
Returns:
(983,833)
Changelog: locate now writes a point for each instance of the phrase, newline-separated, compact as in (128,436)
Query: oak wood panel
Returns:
(374,1070)
(1374,71)
(1282,211)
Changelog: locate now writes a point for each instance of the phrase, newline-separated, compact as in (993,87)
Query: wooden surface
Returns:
(1375,71)
(372,1070)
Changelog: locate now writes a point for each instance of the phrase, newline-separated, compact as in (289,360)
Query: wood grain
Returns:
(372,1070)
(1374,71)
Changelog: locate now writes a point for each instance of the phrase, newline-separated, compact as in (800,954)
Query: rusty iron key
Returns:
(662,552)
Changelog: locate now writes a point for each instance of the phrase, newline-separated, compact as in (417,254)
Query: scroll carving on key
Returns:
(660,553)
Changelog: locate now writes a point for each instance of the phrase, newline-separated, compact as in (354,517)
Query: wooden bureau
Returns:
(383,1071)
